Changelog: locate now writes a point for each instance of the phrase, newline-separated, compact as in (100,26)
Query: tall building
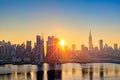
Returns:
(1,50)
(18,51)
(28,52)
(5,50)
(28,47)
(90,41)
(39,48)
(38,39)
(52,49)
(8,51)
(101,44)
(13,53)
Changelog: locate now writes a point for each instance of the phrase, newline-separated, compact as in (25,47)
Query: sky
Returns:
(71,20)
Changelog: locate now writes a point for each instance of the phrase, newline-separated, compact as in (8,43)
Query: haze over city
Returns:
(69,20)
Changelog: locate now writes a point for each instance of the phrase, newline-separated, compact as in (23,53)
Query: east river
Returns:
(68,71)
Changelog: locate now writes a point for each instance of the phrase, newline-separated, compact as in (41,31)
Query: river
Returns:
(68,71)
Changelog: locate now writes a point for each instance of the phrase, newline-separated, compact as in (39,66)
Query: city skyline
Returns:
(68,20)
(56,51)
(90,44)
(59,39)
(101,44)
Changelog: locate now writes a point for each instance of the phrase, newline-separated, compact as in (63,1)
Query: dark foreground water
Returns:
(69,71)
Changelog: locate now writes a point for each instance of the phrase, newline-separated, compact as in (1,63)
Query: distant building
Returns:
(115,46)
(20,52)
(96,49)
(1,51)
(13,53)
(90,41)
(28,52)
(106,46)
(73,47)
(28,46)
(101,44)
(5,51)
(8,51)
(38,40)
(52,49)
(39,49)
(84,49)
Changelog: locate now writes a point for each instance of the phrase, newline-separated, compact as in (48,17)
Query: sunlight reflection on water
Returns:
(71,71)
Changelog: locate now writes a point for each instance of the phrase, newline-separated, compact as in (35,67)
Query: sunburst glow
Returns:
(62,42)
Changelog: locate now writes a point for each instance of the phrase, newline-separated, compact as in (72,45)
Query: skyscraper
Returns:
(101,44)
(38,39)
(52,49)
(28,52)
(8,51)
(28,47)
(90,41)
(39,48)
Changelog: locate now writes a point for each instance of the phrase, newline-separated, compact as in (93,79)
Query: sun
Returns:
(62,42)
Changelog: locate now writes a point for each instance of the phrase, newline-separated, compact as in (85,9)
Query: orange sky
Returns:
(68,20)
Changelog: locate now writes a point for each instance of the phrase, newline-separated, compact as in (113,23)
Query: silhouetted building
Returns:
(2,50)
(6,51)
(101,44)
(106,46)
(56,52)
(13,53)
(28,52)
(38,40)
(39,47)
(90,41)
(9,50)
(84,49)
(52,54)
(28,47)
(73,47)
(21,53)
(115,46)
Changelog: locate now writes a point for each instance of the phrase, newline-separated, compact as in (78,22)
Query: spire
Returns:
(90,41)
(90,33)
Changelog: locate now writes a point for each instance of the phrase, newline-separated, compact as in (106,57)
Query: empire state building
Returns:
(90,41)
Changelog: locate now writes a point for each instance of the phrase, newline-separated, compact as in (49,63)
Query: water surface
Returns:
(68,71)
